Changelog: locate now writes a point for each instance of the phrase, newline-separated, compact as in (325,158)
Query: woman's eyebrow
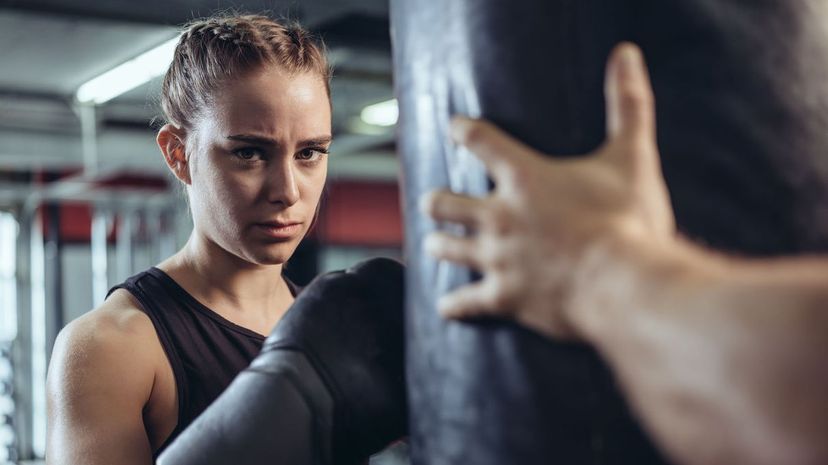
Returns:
(262,140)
(321,140)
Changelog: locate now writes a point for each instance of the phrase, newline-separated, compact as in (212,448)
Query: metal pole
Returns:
(89,137)
(98,246)
(8,334)
(124,249)
(54,275)
(38,334)
(8,283)
(155,235)
(22,353)
(166,246)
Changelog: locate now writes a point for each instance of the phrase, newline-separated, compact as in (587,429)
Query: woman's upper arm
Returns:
(98,384)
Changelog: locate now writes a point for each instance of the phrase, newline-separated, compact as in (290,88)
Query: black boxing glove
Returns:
(327,388)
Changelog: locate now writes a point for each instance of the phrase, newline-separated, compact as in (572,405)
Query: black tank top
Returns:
(206,351)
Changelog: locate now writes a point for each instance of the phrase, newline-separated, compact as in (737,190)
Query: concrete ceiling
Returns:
(176,12)
(50,47)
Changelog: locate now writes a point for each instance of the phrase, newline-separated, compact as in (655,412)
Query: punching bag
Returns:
(742,104)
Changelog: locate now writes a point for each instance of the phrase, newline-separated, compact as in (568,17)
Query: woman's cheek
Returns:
(240,189)
(319,178)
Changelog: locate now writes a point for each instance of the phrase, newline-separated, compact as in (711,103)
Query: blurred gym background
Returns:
(85,198)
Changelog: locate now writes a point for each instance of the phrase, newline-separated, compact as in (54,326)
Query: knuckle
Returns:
(516,174)
(500,220)
(496,259)
(500,301)
(485,217)
(633,97)
(499,295)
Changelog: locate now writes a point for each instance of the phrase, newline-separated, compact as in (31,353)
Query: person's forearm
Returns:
(722,358)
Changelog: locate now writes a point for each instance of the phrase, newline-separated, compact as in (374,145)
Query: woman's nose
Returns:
(282,186)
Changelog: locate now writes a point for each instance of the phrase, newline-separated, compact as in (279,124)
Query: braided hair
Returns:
(213,50)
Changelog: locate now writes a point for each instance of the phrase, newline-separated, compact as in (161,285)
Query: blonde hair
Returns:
(214,50)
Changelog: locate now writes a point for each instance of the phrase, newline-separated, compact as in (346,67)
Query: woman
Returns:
(247,102)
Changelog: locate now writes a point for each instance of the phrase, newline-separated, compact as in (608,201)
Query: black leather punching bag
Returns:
(742,102)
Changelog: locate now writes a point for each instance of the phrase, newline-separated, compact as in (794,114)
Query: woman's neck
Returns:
(226,283)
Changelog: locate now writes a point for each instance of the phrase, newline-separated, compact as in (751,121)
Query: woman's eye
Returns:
(248,153)
(311,154)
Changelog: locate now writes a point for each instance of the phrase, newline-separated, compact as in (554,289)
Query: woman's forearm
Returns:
(723,359)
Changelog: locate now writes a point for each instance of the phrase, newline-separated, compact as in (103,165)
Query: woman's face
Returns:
(258,162)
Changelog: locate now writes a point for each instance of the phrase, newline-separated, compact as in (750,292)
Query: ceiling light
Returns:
(381,114)
(129,75)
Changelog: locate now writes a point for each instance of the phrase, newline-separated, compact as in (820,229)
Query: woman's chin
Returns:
(272,255)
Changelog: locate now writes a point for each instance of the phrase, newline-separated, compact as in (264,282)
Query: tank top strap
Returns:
(153,298)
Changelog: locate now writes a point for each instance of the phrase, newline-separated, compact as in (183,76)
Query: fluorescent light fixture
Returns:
(381,114)
(129,75)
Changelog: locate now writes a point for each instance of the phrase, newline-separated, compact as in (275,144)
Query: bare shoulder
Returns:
(117,323)
(100,380)
(115,342)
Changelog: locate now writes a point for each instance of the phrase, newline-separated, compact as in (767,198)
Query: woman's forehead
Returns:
(272,100)
(274,83)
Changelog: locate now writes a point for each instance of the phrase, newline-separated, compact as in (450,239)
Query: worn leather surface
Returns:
(351,329)
(742,104)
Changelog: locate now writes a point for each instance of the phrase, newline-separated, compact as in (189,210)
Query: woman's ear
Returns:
(170,140)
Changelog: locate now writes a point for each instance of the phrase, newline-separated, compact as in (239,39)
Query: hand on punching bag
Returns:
(545,215)
(327,388)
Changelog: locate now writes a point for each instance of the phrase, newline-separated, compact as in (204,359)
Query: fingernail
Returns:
(629,60)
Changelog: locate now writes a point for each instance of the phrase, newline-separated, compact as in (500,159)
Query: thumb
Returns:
(630,105)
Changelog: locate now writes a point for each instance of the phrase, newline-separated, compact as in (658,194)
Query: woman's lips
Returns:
(281,231)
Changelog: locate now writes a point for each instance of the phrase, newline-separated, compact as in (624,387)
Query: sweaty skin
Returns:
(256,155)
(722,358)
